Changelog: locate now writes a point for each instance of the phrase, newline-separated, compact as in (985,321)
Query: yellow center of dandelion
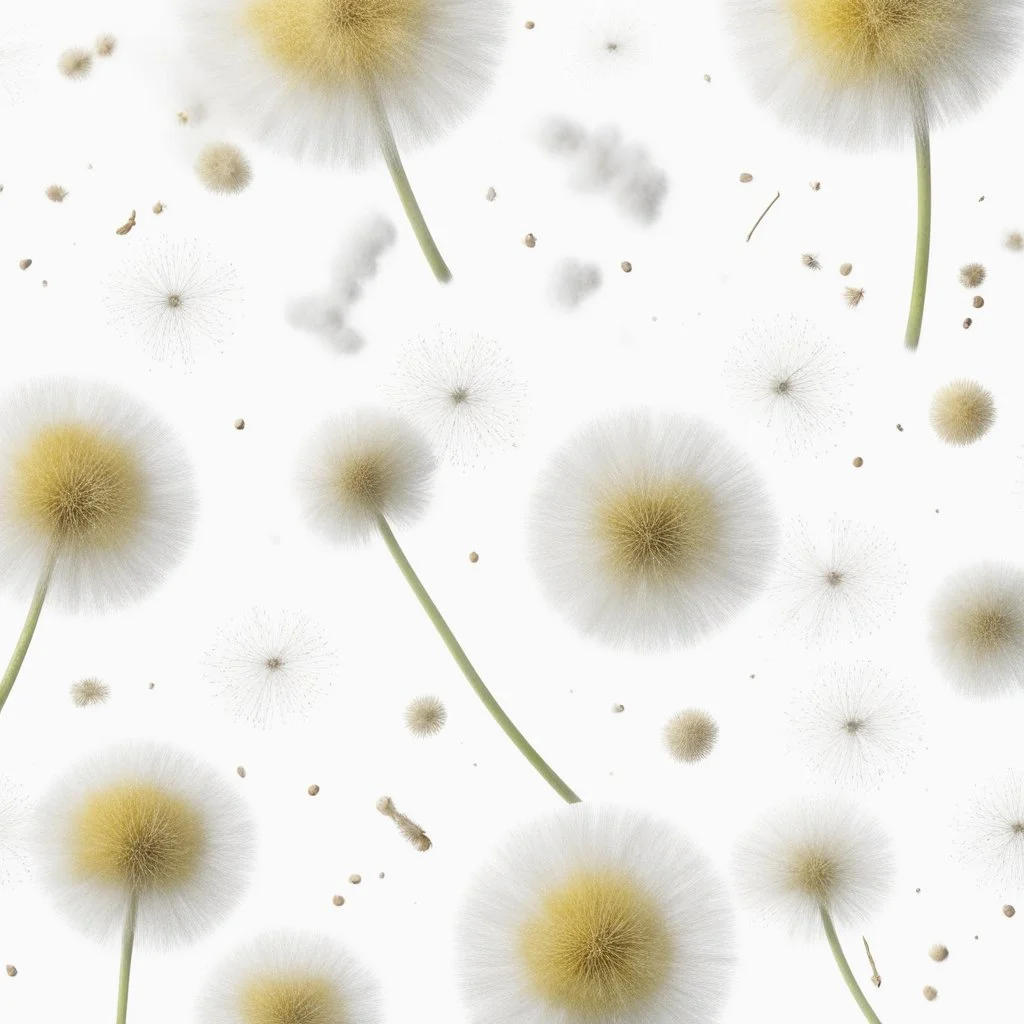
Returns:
(657,533)
(854,41)
(365,480)
(291,999)
(988,628)
(814,872)
(138,835)
(78,486)
(326,44)
(596,945)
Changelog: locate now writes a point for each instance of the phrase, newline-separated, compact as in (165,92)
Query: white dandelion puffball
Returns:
(14,822)
(839,584)
(361,466)
(989,831)
(863,72)
(287,977)
(596,915)
(148,822)
(462,391)
(977,630)
(792,381)
(176,299)
(854,724)
(314,77)
(19,62)
(270,669)
(814,855)
(649,530)
(90,476)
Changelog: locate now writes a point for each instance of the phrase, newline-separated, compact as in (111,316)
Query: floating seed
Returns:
(239,424)
(929,992)
(490,195)
(529,24)
(967,322)
(159,207)
(853,297)
(355,879)
(338,900)
(707,78)
(241,771)
(1008,910)
(977,302)
(745,177)
(313,790)
(858,462)
(617,709)
(530,241)
(474,557)
(627,267)
(972,275)
(809,260)
(56,194)
(12,971)
(846,269)
(899,427)
(938,952)
(126,226)
(815,186)
(24,264)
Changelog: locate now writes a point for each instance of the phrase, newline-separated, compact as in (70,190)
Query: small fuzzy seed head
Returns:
(105,44)
(223,168)
(972,275)
(853,297)
(88,692)
(1014,241)
(425,716)
(938,952)
(75,63)
(690,735)
(56,194)
(596,942)
(977,630)
(361,466)
(929,992)
(962,412)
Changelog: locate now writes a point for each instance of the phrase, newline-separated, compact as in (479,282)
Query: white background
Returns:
(655,337)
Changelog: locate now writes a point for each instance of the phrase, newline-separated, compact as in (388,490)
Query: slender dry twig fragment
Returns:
(761,218)
(876,978)
(406,825)
(127,225)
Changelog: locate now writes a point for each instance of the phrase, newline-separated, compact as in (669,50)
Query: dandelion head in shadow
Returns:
(650,530)
(176,299)
(841,585)
(596,914)
(270,669)
(977,630)
(288,977)
(88,692)
(462,391)
(854,724)
(792,381)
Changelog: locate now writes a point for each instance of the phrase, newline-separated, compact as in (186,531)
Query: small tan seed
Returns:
(24,264)
(977,302)
(313,790)
(1008,910)
(239,424)
(967,322)
(530,241)
(858,462)
(12,971)
(938,952)
(745,177)
(241,771)
(627,267)
(338,900)
(529,24)
(474,557)
(846,269)
(929,992)
(355,879)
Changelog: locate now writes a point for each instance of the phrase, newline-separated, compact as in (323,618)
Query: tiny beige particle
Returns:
(858,462)
(239,424)
(929,992)
(474,557)
(529,24)
(846,269)
(241,771)
(12,971)
(24,264)
(967,322)
(1008,910)
(490,195)
(938,952)
(313,790)
(530,241)
(745,177)
(627,267)
(159,207)
(338,900)
(355,879)
(977,302)
(617,709)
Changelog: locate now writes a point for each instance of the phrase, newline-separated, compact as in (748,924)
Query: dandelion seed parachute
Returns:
(339,81)
(988,831)
(854,724)
(793,380)
(651,530)
(288,977)
(462,391)
(177,299)
(977,630)
(869,72)
(596,915)
(270,669)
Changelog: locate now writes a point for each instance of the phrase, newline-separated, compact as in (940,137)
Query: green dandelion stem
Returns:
(844,968)
(393,159)
(27,631)
(127,945)
(468,671)
(924,235)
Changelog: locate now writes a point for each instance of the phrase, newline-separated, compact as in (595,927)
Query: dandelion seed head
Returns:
(290,999)
(962,412)
(88,692)
(972,275)
(988,830)
(938,952)
(690,735)
(462,391)
(1014,241)
(977,629)
(75,62)
(105,44)
(223,168)
(425,716)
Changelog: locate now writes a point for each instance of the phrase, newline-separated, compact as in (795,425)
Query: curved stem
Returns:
(389,150)
(27,631)
(468,671)
(127,945)
(922,146)
(844,968)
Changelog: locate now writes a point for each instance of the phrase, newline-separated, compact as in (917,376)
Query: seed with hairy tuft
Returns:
(425,716)
(972,275)
(88,692)
(75,62)
(690,735)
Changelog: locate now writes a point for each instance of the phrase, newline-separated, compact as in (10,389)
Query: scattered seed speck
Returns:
(241,771)
(75,63)
(745,177)
(846,269)
(313,790)
(815,186)
(127,225)
(338,900)
(899,427)
(977,302)
(967,322)
(938,952)
(929,992)
(1008,910)
(858,462)
(151,685)
(239,424)
(530,241)
(24,264)
(159,207)
(529,24)
(56,194)
(490,195)
(381,875)
(1014,241)
(617,709)
(474,557)
(627,267)
(12,971)
(355,879)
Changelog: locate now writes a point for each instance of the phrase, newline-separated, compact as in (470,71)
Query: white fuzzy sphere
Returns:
(361,465)
(90,574)
(170,914)
(868,72)
(292,74)
(977,630)
(650,530)
(664,871)
(277,963)
(812,854)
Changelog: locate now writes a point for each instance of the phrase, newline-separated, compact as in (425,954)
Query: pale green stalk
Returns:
(127,945)
(389,150)
(922,146)
(468,671)
(27,631)
(844,968)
